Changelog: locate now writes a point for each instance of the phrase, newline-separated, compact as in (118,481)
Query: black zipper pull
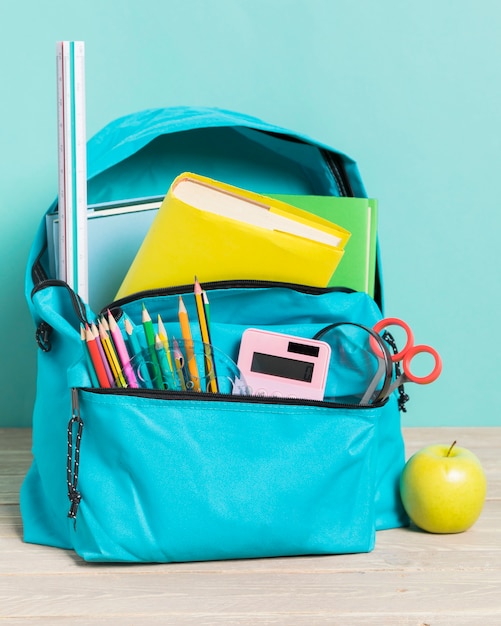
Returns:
(73,458)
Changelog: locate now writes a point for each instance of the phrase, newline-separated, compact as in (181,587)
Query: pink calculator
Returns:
(279,365)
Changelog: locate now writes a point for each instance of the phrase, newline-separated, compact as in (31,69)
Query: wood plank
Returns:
(288,619)
(412,578)
(15,438)
(14,462)
(250,594)
(15,459)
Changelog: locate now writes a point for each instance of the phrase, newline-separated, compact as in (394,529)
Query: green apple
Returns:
(443,488)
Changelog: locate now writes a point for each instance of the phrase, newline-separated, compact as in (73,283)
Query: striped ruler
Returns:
(72,162)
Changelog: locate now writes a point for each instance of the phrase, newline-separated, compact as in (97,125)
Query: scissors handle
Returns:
(395,321)
(429,378)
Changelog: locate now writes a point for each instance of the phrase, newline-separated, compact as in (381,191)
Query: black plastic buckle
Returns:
(42,336)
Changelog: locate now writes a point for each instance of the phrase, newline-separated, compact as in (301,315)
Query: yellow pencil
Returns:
(111,355)
(162,333)
(188,345)
(204,331)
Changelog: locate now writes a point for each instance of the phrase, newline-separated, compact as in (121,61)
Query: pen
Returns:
(188,345)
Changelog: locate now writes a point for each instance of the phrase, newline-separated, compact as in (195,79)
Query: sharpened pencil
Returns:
(188,345)
(96,359)
(210,372)
(111,355)
(149,333)
(137,356)
(123,355)
(99,345)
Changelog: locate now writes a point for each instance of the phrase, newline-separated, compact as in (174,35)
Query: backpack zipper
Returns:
(335,165)
(43,330)
(202,396)
(223,284)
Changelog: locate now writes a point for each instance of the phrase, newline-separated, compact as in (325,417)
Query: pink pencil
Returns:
(121,349)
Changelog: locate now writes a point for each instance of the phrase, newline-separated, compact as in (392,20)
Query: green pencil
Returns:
(149,333)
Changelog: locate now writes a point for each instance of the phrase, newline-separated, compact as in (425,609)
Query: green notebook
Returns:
(358,215)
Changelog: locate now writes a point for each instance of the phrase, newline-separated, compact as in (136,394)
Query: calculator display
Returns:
(281,366)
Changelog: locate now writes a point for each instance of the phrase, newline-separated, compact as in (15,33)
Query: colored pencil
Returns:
(112,357)
(136,355)
(90,365)
(107,368)
(188,345)
(96,359)
(162,333)
(179,361)
(210,372)
(149,334)
(121,349)
(167,374)
(206,307)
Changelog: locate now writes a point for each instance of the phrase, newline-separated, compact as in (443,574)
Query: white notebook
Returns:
(115,233)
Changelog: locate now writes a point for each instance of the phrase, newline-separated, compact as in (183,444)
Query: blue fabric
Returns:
(355,456)
(191,480)
(164,479)
(126,136)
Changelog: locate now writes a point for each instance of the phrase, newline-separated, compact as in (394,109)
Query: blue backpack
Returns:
(123,476)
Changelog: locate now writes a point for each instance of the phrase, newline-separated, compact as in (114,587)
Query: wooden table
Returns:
(410,579)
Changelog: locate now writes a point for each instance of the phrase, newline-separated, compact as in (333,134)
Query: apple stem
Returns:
(450,449)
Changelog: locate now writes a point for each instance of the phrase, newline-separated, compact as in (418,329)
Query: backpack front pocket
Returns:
(161,479)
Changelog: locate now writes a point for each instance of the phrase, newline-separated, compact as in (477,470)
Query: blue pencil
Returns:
(136,354)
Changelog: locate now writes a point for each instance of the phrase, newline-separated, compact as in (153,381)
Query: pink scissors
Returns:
(407,354)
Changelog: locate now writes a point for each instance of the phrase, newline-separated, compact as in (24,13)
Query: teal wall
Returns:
(409,89)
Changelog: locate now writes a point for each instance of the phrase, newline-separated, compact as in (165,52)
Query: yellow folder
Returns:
(216,231)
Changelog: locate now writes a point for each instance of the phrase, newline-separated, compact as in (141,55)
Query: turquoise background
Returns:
(411,90)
